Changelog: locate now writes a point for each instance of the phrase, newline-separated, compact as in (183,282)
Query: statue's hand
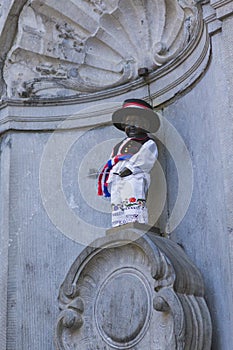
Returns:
(125,172)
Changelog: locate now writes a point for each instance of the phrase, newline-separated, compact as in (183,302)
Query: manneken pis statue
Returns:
(126,176)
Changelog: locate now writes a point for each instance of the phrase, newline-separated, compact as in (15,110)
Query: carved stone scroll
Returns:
(65,48)
(133,292)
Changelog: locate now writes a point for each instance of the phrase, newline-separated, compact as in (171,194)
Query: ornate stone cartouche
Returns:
(130,291)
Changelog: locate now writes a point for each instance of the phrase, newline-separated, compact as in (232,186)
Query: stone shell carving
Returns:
(81,47)
(133,293)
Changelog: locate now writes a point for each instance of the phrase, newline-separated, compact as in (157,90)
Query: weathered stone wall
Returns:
(39,255)
(204,119)
(4,183)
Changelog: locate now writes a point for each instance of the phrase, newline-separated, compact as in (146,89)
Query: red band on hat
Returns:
(134,104)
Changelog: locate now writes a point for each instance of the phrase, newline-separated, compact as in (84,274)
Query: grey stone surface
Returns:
(39,254)
(9,10)
(133,292)
(204,119)
(4,235)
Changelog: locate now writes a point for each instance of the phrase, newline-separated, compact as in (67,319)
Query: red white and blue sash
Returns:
(104,175)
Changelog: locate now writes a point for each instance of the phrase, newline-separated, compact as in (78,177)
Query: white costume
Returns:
(127,173)
(128,194)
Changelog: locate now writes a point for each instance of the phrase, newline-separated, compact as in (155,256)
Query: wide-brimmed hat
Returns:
(139,108)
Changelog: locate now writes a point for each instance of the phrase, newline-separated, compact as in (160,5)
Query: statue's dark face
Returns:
(134,126)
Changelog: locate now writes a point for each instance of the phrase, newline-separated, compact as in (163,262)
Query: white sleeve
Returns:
(144,159)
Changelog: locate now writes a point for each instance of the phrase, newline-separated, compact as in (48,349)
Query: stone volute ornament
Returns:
(132,290)
(66,48)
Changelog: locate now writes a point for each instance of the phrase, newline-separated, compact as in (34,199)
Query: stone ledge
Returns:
(214,12)
(136,227)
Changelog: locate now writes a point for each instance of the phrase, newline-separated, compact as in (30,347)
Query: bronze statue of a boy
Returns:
(126,175)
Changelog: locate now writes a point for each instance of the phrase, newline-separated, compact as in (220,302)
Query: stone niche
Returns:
(95,49)
(133,289)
